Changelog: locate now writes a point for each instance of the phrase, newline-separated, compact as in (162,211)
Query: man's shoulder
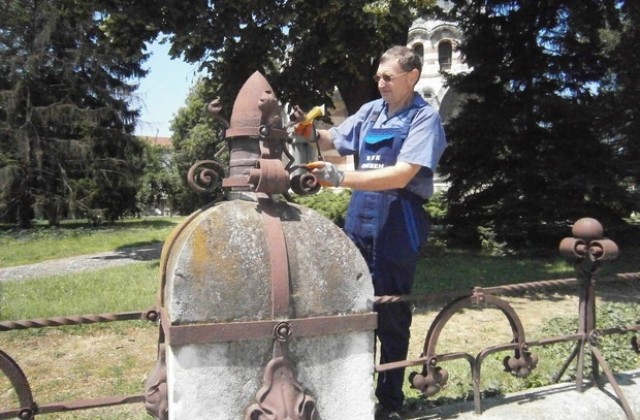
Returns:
(425,110)
(420,103)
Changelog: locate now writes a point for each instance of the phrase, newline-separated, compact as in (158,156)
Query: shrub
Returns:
(330,203)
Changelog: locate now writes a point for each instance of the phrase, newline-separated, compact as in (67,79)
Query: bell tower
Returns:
(435,38)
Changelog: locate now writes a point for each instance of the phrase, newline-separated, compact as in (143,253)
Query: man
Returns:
(397,141)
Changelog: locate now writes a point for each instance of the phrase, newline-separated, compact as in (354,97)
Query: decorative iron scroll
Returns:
(205,176)
(256,139)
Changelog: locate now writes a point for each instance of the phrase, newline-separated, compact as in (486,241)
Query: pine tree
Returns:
(527,151)
(620,108)
(66,121)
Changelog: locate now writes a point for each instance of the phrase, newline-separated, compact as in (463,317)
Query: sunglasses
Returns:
(387,77)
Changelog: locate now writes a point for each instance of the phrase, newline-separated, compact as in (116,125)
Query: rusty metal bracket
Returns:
(179,335)
(280,292)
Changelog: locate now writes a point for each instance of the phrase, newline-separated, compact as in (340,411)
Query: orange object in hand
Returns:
(304,129)
(315,165)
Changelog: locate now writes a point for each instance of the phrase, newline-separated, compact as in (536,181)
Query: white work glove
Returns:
(327,173)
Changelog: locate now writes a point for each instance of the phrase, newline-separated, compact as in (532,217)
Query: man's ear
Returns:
(415,76)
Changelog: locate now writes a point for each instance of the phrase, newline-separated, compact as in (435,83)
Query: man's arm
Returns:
(393,177)
(389,178)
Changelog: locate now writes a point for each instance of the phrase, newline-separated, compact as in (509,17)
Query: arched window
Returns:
(418,49)
(445,52)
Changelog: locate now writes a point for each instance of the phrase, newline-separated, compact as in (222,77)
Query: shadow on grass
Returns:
(139,251)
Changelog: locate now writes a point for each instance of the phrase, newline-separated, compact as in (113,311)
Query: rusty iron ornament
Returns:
(257,142)
(281,395)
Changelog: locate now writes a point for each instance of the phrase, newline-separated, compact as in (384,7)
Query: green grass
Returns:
(122,289)
(462,270)
(42,243)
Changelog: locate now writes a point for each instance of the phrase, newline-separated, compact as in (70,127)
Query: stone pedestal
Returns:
(217,271)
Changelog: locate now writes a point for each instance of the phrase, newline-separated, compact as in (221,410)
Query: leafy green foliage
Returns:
(436,207)
(616,348)
(330,204)
(304,48)
(158,182)
(196,136)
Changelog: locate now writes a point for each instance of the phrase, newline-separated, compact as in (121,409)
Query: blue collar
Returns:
(417,102)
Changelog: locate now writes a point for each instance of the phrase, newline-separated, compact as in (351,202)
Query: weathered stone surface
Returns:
(218,271)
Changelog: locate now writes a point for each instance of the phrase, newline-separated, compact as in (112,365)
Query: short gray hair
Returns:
(407,58)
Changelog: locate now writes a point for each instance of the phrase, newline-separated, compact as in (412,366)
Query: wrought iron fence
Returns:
(587,250)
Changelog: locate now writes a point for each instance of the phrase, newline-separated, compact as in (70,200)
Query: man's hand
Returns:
(326,172)
(304,132)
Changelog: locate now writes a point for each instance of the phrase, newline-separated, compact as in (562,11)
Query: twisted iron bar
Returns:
(506,289)
(147,315)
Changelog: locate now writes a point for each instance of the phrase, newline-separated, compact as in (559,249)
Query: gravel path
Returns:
(81,263)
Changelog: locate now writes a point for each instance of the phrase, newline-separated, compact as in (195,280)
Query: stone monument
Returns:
(266,306)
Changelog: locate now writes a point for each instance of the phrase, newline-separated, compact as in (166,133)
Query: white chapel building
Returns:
(436,40)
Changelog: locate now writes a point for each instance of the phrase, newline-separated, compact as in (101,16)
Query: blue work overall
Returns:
(389,228)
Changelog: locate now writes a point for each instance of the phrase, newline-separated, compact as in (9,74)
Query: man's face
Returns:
(394,83)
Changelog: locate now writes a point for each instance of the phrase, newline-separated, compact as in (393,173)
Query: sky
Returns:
(163,91)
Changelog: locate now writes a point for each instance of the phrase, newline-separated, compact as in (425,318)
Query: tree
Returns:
(159,182)
(305,49)
(66,125)
(196,136)
(527,150)
(620,110)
